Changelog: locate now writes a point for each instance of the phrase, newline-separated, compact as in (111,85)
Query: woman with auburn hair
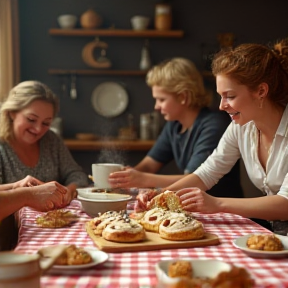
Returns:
(190,135)
(252,80)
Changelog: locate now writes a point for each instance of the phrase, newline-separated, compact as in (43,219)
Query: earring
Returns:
(183,102)
(261,102)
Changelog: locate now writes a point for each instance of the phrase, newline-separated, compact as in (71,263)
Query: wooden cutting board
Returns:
(152,242)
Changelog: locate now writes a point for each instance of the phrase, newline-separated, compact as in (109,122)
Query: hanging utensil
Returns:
(73,90)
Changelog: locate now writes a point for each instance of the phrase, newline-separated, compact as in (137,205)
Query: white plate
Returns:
(209,268)
(90,193)
(241,244)
(98,257)
(109,99)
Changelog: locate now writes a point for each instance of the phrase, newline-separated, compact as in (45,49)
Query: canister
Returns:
(145,126)
(163,17)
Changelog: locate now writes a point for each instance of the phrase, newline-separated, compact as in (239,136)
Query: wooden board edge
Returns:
(212,239)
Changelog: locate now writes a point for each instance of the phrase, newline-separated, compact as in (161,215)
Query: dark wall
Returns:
(255,21)
(251,21)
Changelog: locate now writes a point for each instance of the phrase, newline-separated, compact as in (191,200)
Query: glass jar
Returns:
(163,17)
(145,126)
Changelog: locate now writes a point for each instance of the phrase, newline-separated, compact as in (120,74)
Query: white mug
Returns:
(101,172)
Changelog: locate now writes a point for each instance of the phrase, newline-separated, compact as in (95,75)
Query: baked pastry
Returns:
(56,219)
(98,224)
(180,268)
(166,200)
(237,277)
(153,218)
(74,256)
(179,227)
(266,242)
(124,230)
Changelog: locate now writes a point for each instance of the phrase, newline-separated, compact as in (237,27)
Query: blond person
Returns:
(252,80)
(28,147)
(190,135)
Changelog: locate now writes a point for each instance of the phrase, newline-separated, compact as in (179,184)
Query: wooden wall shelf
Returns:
(95,72)
(94,145)
(116,33)
(103,72)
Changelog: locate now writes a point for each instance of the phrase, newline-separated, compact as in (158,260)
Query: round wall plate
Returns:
(109,99)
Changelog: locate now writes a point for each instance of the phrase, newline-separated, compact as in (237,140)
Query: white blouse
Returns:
(242,141)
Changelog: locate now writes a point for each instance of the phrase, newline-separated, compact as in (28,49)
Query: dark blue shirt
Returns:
(191,148)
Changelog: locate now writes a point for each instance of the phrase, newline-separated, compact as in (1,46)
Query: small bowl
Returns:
(104,202)
(67,21)
(208,268)
(140,22)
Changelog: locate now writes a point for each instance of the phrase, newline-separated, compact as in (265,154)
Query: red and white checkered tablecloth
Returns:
(137,269)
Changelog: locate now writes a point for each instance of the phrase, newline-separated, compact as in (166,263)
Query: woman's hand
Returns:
(127,178)
(48,196)
(196,200)
(71,193)
(28,181)
(143,198)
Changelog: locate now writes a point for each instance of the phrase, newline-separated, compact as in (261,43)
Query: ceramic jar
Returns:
(163,17)
(90,19)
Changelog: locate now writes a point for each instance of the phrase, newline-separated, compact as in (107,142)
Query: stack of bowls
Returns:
(94,202)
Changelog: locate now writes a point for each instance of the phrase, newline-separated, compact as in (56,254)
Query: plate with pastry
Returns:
(79,258)
(265,245)
(187,273)
(56,218)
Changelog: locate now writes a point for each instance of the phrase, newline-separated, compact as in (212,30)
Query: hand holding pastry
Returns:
(195,200)
(143,199)
(47,196)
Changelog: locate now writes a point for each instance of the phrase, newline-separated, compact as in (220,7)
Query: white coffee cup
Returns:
(101,172)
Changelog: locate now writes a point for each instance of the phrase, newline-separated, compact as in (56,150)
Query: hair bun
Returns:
(281,51)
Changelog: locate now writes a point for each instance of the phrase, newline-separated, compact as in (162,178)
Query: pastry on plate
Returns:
(265,242)
(74,256)
(56,219)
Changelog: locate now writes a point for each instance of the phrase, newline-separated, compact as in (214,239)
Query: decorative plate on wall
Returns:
(109,99)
